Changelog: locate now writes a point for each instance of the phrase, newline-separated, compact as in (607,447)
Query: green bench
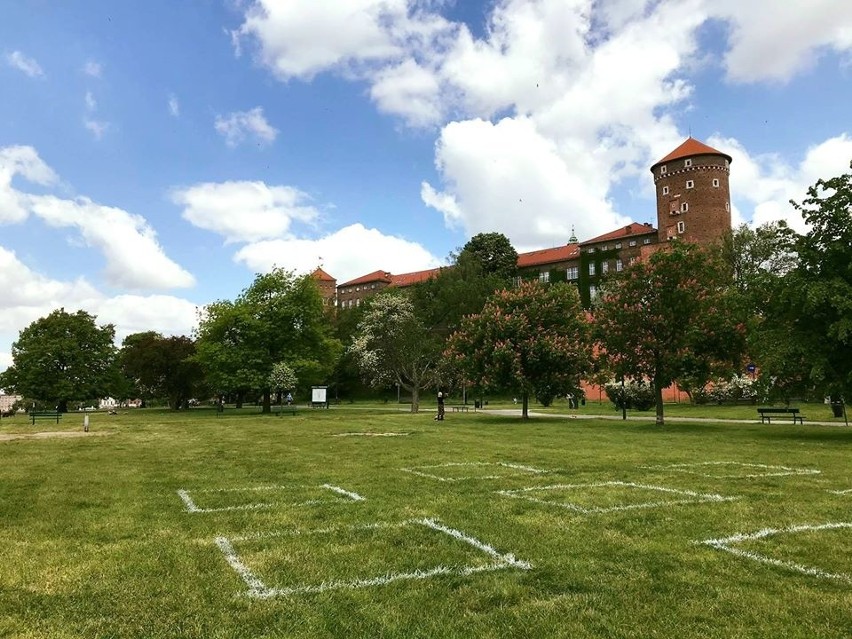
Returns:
(45,414)
(766,414)
(286,409)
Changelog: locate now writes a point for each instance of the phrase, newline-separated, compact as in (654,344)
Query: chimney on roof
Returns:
(627,229)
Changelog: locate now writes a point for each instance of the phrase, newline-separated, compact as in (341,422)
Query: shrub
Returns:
(637,395)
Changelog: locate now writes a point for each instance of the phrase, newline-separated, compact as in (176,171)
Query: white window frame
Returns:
(572,273)
(592,270)
(544,276)
(684,207)
(617,246)
(665,190)
(690,184)
(619,265)
(604,267)
(687,162)
(681,227)
(716,182)
(664,169)
(647,240)
(632,243)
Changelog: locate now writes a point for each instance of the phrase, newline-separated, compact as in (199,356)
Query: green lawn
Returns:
(267,538)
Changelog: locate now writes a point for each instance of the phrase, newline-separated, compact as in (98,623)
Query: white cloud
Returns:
(346,254)
(777,44)
(244,211)
(29,296)
(174,106)
(240,126)
(93,69)
(25,64)
(23,161)
(91,103)
(509,177)
(763,185)
(135,260)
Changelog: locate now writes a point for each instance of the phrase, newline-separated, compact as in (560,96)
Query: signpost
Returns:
(319,396)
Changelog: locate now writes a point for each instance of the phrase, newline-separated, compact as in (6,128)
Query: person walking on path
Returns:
(440,416)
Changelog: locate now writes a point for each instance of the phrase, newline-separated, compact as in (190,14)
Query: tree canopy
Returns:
(161,367)
(533,339)
(667,318)
(392,346)
(61,358)
(279,318)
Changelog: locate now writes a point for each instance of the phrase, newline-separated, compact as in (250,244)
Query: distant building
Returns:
(693,204)
(7,401)
(327,286)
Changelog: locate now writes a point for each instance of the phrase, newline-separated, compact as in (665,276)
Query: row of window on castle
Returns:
(690,184)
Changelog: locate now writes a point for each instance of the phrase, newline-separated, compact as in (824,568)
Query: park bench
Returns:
(45,414)
(286,409)
(460,408)
(767,413)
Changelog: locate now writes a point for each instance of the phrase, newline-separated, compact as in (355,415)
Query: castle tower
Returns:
(693,195)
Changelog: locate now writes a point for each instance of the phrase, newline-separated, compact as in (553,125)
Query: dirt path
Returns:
(5,437)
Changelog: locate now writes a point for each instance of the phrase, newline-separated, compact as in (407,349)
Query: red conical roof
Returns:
(689,148)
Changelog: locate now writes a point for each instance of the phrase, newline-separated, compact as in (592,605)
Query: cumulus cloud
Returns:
(245,211)
(31,295)
(24,64)
(20,161)
(584,91)
(242,126)
(134,258)
(346,254)
(763,185)
(776,45)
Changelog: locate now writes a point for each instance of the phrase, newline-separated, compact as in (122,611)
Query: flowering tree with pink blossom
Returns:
(533,339)
(668,317)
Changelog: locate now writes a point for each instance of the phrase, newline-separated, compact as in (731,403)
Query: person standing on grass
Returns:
(440,416)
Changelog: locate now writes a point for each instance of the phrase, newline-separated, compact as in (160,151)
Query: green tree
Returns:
(812,308)
(63,357)
(283,378)
(533,339)
(392,346)
(279,318)
(667,318)
(494,254)
(162,367)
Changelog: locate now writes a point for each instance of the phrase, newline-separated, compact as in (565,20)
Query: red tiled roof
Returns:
(634,228)
(690,147)
(407,279)
(548,255)
(375,276)
(321,275)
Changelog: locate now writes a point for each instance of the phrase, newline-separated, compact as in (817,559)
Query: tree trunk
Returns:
(267,402)
(239,402)
(658,398)
(62,406)
(525,405)
(415,398)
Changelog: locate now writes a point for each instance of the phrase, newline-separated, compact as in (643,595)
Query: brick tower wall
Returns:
(707,215)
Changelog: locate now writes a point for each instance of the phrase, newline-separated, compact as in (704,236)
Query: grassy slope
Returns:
(95,541)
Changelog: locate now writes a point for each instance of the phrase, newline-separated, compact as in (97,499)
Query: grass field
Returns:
(159,524)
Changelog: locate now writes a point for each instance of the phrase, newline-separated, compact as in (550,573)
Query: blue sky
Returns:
(154,156)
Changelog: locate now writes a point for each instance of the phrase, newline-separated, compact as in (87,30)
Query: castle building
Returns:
(693,204)
(693,194)
(327,286)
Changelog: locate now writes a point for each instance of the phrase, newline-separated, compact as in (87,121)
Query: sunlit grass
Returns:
(97,542)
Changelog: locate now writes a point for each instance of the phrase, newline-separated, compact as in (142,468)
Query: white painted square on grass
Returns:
(259,589)
(476,470)
(728,544)
(338,495)
(673,496)
(742,470)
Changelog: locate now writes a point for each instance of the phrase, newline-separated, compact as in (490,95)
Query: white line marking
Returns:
(694,498)
(319,531)
(725,544)
(187,500)
(784,470)
(371,434)
(257,589)
(345,493)
(417,470)
(841,492)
